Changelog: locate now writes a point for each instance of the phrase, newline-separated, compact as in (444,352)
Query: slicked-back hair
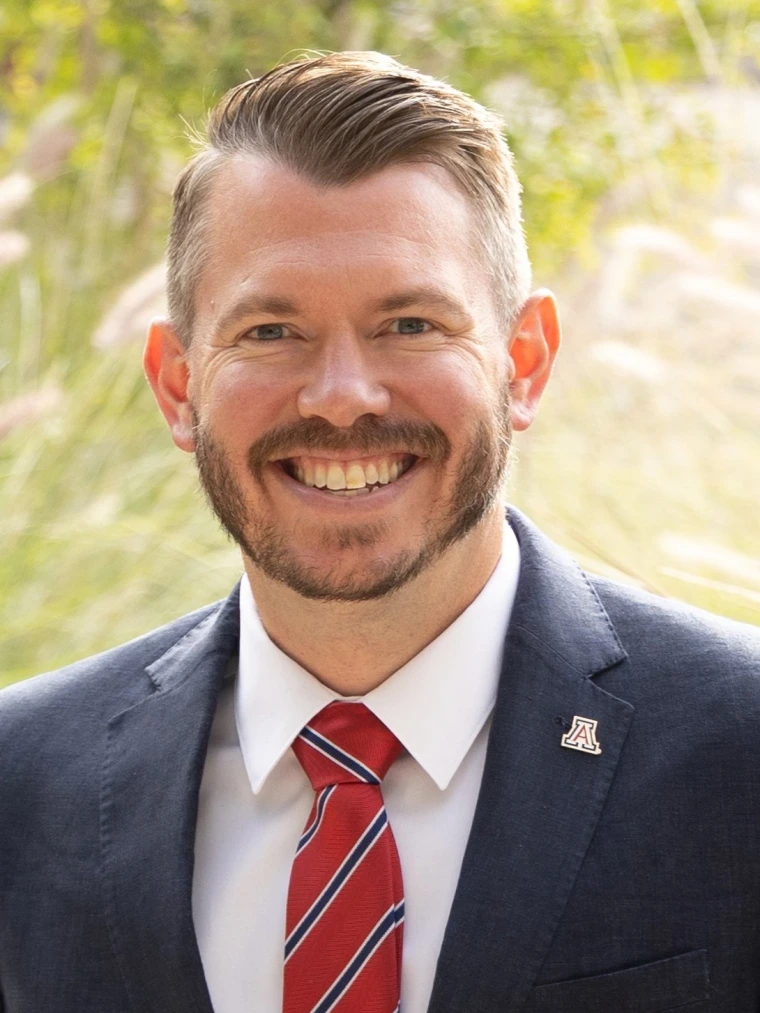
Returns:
(341,117)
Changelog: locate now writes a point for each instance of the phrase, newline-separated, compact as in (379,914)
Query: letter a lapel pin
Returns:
(582,736)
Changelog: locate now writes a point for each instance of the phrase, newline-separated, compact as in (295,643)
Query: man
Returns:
(417,757)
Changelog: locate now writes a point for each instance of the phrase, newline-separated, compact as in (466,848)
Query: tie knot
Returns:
(346,743)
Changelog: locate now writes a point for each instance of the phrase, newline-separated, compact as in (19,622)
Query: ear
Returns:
(533,347)
(165,364)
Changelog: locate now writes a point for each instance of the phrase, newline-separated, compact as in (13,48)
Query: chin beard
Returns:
(477,487)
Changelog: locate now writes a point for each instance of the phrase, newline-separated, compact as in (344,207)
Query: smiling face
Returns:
(347,387)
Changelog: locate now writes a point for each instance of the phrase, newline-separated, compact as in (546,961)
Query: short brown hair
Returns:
(340,117)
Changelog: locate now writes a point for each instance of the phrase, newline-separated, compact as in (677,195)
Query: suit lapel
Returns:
(539,802)
(152,773)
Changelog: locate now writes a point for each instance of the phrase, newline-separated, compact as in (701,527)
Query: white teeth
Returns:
(352,477)
(336,477)
(355,476)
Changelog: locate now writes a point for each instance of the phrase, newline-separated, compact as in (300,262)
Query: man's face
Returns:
(348,376)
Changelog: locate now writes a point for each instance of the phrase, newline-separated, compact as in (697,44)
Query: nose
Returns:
(342,385)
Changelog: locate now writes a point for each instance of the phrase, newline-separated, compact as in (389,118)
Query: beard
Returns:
(478,482)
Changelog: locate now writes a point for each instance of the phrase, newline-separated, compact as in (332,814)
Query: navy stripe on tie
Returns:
(352,860)
(321,805)
(341,757)
(341,985)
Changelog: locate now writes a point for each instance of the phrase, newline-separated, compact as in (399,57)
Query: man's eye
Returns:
(267,332)
(411,325)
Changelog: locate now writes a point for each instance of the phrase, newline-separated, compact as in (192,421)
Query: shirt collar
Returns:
(435,704)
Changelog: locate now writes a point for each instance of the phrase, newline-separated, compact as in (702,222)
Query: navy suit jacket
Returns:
(623,881)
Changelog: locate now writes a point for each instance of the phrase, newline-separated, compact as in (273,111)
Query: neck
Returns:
(352,647)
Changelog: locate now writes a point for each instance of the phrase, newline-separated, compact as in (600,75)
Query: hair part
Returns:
(342,117)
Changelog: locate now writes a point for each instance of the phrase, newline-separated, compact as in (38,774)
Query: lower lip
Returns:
(383,497)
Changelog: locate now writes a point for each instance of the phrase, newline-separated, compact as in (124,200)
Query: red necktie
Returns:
(345,911)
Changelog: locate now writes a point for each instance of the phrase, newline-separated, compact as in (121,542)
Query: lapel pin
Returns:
(582,736)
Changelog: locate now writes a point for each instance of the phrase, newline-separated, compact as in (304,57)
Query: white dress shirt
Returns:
(255,797)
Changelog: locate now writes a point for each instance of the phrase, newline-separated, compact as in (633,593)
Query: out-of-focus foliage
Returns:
(645,459)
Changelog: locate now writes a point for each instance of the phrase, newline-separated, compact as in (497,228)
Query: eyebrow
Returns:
(424,295)
(253,305)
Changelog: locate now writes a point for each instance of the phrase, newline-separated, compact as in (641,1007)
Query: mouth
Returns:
(350,477)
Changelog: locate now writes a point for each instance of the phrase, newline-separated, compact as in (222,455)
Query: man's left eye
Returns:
(411,325)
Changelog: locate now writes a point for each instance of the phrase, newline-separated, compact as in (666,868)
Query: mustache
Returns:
(370,434)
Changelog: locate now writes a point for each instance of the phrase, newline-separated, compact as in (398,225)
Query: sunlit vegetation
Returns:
(636,129)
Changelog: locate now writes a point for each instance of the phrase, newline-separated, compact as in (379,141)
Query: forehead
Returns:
(270,228)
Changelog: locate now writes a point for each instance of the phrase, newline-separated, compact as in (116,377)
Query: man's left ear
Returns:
(533,347)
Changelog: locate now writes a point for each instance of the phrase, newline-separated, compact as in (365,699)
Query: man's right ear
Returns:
(165,364)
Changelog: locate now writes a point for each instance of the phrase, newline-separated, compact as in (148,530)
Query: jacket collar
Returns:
(536,812)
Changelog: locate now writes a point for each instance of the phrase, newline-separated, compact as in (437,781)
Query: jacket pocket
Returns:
(672,984)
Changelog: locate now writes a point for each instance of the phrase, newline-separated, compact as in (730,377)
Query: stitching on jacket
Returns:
(602,609)
(106,878)
(184,642)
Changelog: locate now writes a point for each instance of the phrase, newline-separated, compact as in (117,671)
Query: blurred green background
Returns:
(636,129)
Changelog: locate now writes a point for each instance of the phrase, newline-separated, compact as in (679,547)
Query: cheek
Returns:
(453,392)
(243,400)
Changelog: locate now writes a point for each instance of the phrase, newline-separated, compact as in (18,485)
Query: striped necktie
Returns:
(345,912)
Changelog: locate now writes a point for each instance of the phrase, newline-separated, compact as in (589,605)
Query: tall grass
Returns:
(644,460)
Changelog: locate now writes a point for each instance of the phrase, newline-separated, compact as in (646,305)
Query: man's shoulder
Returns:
(648,627)
(100,683)
(681,651)
(648,619)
